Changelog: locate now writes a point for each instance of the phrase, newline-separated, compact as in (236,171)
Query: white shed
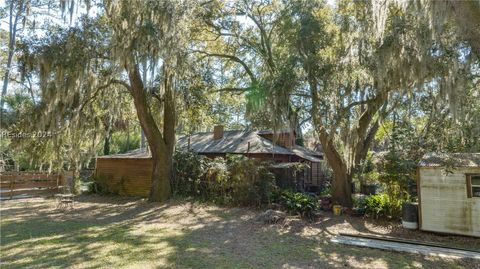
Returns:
(449,193)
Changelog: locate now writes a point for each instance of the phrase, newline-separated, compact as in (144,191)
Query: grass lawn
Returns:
(114,232)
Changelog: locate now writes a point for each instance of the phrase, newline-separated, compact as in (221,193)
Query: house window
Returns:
(473,185)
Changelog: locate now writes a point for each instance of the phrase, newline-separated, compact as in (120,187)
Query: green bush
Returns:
(358,201)
(299,203)
(189,169)
(251,181)
(99,185)
(381,205)
(234,180)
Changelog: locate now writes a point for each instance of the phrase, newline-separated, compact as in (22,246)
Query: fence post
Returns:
(58,179)
(12,182)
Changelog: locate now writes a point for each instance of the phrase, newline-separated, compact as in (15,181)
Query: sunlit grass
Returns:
(123,233)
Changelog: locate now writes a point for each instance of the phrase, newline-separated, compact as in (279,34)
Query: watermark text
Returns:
(35,134)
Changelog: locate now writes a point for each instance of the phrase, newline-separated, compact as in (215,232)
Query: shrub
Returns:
(381,205)
(299,203)
(358,201)
(188,171)
(251,181)
(235,180)
(99,185)
(326,192)
(216,182)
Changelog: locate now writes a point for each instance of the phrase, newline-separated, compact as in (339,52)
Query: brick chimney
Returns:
(218,132)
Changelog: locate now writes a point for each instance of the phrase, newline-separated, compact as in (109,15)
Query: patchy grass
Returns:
(113,232)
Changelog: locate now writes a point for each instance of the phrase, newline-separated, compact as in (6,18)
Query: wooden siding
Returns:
(129,177)
(444,204)
(316,174)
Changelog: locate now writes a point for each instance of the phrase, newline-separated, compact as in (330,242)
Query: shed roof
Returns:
(453,159)
(134,154)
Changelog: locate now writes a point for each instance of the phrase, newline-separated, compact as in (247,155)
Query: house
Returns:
(277,147)
(130,173)
(449,193)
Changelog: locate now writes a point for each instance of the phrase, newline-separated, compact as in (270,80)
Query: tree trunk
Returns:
(161,174)
(342,177)
(161,145)
(13,20)
(341,186)
(106,144)
(108,135)
(467,16)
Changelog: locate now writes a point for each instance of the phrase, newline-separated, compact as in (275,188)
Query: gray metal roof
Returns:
(306,153)
(452,159)
(237,142)
(231,142)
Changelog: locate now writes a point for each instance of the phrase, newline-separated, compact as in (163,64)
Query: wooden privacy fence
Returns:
(13,184)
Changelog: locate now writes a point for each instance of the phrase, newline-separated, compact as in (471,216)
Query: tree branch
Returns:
(233,58)
(232,89)
(100,88)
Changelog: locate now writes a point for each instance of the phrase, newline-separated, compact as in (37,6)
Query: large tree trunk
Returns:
(342,176)
(161,174)
(161,146)
(13,21)
(467,15)
(108,137)
(106,144)
(341,185)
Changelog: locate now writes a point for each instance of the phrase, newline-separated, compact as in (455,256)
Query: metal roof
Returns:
(306,153)
(231,142)
(240,142)
(452,159)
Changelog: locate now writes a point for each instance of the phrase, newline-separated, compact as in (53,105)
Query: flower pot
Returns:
(337,210)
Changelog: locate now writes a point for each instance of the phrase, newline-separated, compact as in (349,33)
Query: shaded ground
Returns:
(113,232)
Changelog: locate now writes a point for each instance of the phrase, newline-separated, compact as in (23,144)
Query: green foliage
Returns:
(298,203)
(382,205)
(235,180)
(251,181)
(99,185)
(396,170)
(189,171)
(122,142)
(275,58)
(359,201)
(326,192)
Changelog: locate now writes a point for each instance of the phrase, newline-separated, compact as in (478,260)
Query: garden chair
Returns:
(65,200)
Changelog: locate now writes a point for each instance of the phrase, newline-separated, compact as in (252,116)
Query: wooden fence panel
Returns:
(29,183)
